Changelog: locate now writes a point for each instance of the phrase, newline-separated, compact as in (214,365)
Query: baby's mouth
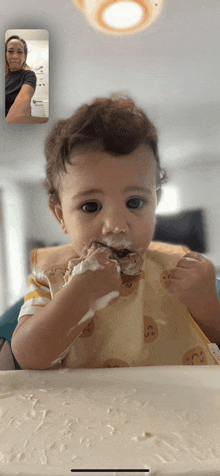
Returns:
(122,253)
(119,252)
(129,266)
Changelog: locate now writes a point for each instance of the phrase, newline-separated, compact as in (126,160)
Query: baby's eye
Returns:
(91,207)
(135,203)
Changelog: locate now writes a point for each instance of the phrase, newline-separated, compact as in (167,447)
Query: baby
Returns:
(113,298)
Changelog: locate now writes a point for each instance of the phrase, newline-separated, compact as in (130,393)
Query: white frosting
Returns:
(55,421)
(112,242)
(90,264)
(118,245)
(62,355)
(99,304)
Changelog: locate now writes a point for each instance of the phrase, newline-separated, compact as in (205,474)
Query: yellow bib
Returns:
(146,326)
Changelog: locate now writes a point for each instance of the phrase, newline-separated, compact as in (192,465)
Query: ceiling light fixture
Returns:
(120,17)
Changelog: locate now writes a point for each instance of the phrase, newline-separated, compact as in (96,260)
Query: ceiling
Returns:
(171,70)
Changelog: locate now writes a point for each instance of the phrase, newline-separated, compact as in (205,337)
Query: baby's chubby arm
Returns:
(193,283)
(42,338)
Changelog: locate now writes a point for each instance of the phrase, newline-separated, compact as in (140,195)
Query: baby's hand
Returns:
(193,283)
(75,261)
(99,271)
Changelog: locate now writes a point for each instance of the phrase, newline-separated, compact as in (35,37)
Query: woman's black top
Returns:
(13,84)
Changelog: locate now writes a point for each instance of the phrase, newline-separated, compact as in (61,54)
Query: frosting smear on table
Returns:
(53,429)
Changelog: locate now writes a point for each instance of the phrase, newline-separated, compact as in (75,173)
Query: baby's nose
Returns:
(119,230)
(115,217)
(115,224)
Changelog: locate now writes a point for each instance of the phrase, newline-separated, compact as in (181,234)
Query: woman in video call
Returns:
(20,83)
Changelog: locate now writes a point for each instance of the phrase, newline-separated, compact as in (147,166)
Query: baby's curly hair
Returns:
(117,126)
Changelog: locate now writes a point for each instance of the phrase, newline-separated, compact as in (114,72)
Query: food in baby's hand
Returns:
(129,261)
(87,263)
(100,276)
(71,265)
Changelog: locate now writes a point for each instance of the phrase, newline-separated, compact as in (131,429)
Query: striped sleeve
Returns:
(37,297)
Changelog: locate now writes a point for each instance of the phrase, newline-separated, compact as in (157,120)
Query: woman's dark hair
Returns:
(15,37)
(117,126)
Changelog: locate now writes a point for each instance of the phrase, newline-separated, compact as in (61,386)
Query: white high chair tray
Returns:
(165,419)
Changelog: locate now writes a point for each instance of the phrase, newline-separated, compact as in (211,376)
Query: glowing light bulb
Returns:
(123,14)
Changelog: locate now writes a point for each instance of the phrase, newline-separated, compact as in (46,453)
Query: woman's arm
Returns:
(20,111)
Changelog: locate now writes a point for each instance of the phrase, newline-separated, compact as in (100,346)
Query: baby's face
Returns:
(109,200)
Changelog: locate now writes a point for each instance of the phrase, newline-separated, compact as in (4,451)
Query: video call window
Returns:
(26,76)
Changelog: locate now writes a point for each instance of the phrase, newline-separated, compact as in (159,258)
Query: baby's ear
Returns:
(57,211)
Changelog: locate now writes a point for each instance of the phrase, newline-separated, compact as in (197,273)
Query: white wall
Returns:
(42,224)
(38,62)
(3,275)
(13,233)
